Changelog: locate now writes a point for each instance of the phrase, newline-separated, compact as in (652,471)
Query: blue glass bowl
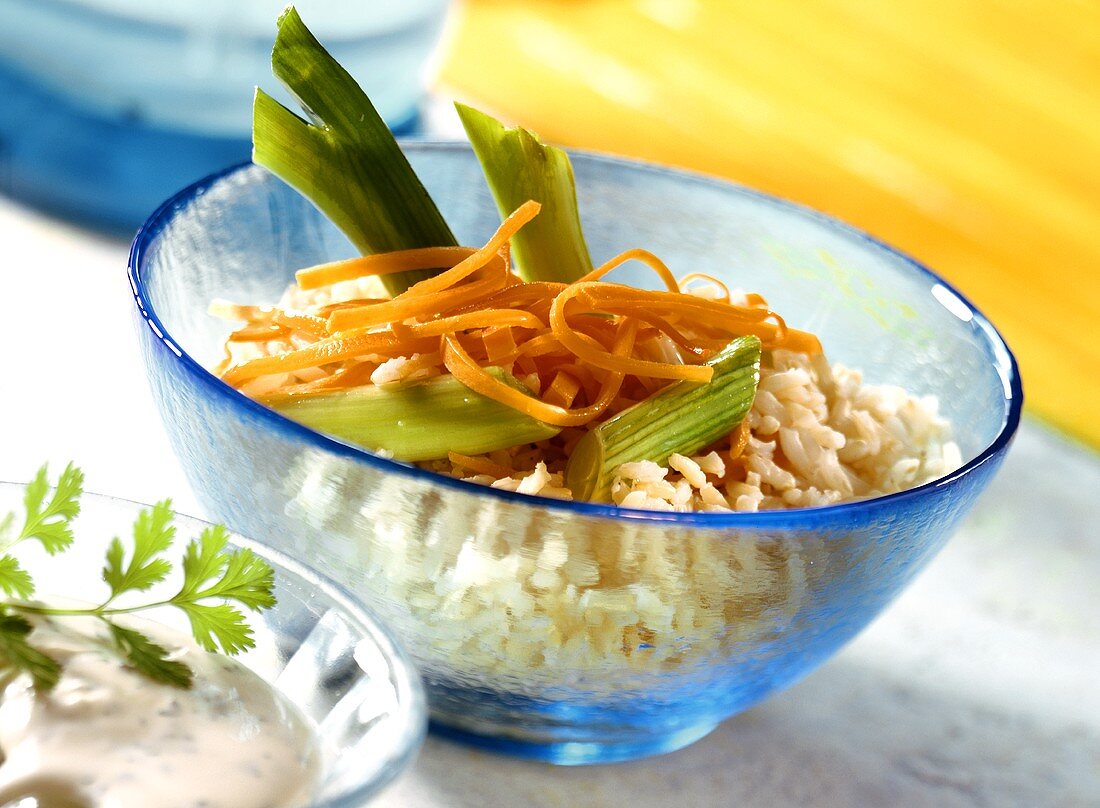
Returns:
(577,632)
(317,646)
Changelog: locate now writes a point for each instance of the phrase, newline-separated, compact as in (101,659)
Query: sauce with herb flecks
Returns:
(106,735)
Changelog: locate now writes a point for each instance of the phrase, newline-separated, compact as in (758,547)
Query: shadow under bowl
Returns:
(577,632)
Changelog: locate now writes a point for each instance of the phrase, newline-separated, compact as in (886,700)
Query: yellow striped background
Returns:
(966,132)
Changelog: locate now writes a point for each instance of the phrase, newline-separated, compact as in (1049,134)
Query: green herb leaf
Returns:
(48,522)
(17,653)
(244,576)
(7,525)
(210,572)
(15,580)
(149,658)
(153,534)
(219,626)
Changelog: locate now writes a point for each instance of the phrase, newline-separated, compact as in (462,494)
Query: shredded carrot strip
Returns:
(420,306)
(481,465)
(729,319)
(479,257)
(526,365)
(601,359)
(802,342)
(308,324)
(500,345)
(470,373)
(524,294)
(485,318)
(467,371)
(597,293)
(739,439)
(225,310)
(686,280)
(540,345)
(588,349)
(646,257)
(661,325)
(380,264)
(333,349)
(563,390)
(355,376)
(624,344)
(260,332)
(326,311)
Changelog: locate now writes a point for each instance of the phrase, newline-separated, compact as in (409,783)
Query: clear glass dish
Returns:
(317,646)
(569,631)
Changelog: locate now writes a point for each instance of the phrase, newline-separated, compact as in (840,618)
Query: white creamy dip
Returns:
(107,737)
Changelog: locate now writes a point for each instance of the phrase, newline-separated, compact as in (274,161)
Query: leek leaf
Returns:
(345,160)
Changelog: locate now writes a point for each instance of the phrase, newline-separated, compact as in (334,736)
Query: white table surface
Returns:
(980,686)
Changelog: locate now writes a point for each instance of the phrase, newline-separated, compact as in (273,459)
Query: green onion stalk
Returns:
(679,419)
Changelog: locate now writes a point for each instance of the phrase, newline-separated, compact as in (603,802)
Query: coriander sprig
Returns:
(215,582)
(44,522)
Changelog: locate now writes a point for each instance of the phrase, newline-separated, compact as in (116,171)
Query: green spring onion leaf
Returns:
(346,161)
(417,421)
(519,167)
(682,418)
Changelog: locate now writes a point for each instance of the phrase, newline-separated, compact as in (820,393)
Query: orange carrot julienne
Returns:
(500,345)
(468,372)
(402,308)
(485,318)
(524,294)
(481,256)
(593,356)
(327,310)
(802,342)
(480,465)
(235,311)
(333,349)
(739,439)
(356,376)
(591,348)
(259,332)
(686,280)
(563,390)
(307,323)
(389,263)
(597,293)
(646,257)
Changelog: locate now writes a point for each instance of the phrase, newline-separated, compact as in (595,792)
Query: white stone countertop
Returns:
(979,687)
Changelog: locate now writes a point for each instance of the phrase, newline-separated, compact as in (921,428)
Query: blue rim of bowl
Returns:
(411,687)
(773,519)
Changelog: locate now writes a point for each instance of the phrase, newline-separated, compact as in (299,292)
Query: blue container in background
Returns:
(109,106)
